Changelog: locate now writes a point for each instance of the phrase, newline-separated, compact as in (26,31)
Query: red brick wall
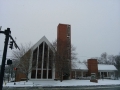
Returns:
(61,38)
(92,66)
(19,76)
(62,42)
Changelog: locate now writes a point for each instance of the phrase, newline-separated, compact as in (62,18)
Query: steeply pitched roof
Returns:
(43,39)
(105,67)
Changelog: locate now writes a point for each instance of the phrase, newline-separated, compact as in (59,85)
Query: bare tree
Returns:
(73,50)
(117,64)
(62,65)
(22,58)
(111,59)
(73,53)
(103,59)
(85,62)
(106,59)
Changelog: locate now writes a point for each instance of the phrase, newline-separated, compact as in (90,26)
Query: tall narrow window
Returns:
(39,74)
(43,59)
(40,55)
(68,30)
(44,74)
(33,74)
(49,74)
(45,56)
(50,59)
(34,61)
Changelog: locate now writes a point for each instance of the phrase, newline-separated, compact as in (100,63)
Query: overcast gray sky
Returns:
(95,24)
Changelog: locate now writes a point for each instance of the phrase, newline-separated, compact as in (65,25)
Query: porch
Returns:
(106,71)
(106,74)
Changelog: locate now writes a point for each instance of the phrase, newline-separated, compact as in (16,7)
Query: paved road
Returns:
(65,88)
(86,88)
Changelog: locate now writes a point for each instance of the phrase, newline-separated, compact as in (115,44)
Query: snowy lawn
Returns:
(72,82)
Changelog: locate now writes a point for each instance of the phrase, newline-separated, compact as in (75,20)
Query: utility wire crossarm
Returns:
(2,32)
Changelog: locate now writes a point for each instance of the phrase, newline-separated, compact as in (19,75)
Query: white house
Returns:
(108,71)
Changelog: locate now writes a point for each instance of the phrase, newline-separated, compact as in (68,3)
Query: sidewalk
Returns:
(52,83)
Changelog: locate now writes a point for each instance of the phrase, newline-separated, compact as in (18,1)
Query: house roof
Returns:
(79,66)
(101,67)
(104,67)
(43,39)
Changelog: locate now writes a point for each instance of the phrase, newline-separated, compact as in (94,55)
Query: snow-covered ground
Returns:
(72,82)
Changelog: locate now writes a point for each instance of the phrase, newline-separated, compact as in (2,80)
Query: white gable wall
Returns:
(43,39)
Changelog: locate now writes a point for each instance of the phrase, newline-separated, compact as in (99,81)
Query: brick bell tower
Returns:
(64,48)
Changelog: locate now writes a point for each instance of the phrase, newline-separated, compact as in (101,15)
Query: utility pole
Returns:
(7,34)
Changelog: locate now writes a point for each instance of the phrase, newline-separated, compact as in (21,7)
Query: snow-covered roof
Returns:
(104,67)
(79,66)
(43,39)
(101,67)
